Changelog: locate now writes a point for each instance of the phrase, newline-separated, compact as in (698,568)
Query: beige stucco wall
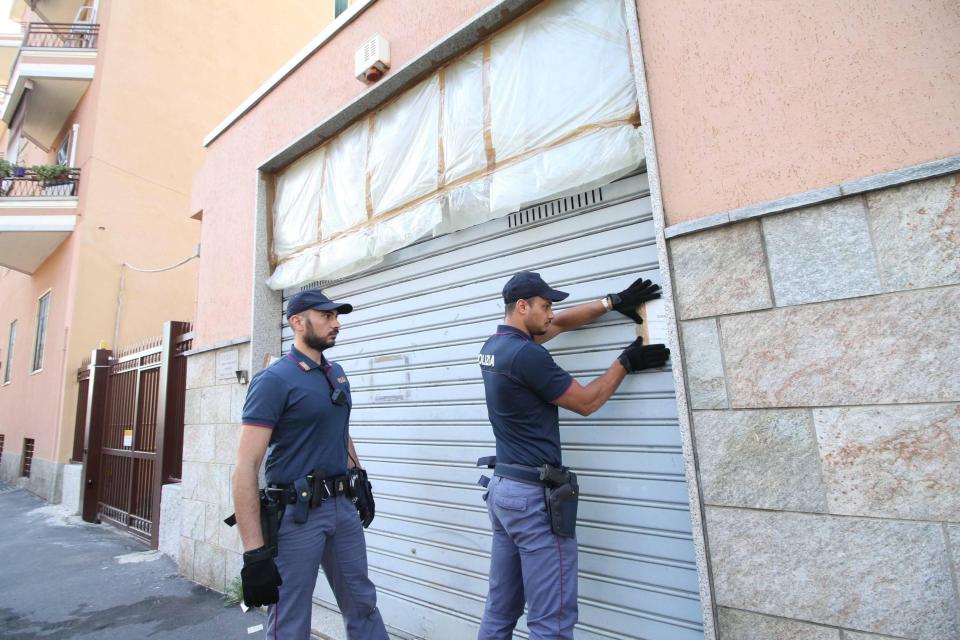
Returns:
(166,74)
(753,101)
(225,187)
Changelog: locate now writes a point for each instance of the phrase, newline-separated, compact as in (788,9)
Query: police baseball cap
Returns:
(314,299)
(527,284)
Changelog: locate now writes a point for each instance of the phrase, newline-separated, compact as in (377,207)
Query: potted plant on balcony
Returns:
(50,172)
(54,175)
(6,168)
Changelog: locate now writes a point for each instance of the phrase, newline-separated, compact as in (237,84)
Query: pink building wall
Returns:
(752,101)
(26,402)
(225,187)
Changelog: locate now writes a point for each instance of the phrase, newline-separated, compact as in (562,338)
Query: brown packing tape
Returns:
(487,109)
(441,159)
(323,183)
(632,120)
(368,197)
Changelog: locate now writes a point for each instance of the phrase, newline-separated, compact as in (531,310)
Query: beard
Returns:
(315,341)
(541,331)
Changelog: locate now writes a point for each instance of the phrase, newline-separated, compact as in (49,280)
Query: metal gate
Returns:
(133,429)
(419,422)
(129,440)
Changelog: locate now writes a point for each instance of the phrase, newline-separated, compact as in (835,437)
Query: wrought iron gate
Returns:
(133,433)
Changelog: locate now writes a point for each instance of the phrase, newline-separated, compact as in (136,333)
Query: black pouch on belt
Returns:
(270,512)
(562,506)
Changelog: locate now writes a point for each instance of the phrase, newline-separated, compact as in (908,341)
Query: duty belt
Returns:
(312,488)
(545,476)
(518,472)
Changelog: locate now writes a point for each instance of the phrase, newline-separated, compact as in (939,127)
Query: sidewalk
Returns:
(64,579)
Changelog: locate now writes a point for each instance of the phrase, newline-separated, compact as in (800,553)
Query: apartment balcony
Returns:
(36,215)
(50,74)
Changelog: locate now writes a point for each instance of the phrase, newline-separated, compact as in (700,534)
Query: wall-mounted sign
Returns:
(227,364)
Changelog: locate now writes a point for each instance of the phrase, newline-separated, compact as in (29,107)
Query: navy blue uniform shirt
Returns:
(521,381)
(292,397)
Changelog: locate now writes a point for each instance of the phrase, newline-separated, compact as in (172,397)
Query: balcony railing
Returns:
(61,35)
(30,185)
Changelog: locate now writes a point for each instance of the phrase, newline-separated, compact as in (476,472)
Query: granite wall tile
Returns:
(209,565)
(191,523)
(745,625)
(201,370)
(703,364)
(226,443)
(892,461)
(215,405)
(760,459)
(878,576)
(185,563)
(892,348)
(238,395)
(191,410)
(199,442)
(821,253)
(720,271)
(916,231)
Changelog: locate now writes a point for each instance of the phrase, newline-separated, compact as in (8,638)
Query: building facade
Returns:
(794,474)
(120,94)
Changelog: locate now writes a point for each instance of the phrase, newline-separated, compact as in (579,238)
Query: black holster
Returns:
(561,493)
(271,510)
(361,493)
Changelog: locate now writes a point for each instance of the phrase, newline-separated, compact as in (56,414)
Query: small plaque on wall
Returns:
(227,364)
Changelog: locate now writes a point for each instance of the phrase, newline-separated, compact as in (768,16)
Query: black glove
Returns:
(260,578)
(637,356)
(362,492)
(627,301)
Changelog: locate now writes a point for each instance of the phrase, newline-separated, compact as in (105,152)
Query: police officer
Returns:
(531,499)
(297,412)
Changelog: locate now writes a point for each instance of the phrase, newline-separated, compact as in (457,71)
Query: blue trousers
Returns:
(333,538)
(528,563)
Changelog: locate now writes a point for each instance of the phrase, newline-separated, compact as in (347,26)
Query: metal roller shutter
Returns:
(419,422)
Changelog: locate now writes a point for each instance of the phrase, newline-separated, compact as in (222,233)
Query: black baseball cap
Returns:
(527,284)
(314,299)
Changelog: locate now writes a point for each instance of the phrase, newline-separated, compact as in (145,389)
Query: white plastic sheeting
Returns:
(544,108)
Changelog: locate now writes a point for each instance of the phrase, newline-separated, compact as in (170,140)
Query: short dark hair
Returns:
(510,306)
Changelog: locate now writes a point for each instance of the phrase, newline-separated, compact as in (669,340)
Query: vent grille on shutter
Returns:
(555,207)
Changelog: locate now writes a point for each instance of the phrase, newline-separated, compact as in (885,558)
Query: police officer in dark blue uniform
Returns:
(297,411)
(532,497)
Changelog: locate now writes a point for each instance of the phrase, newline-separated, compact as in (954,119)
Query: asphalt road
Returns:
(61,578)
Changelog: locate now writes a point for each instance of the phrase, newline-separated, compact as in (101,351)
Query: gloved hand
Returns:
(627,301)
(260,578)
(362,492)
(638,356)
